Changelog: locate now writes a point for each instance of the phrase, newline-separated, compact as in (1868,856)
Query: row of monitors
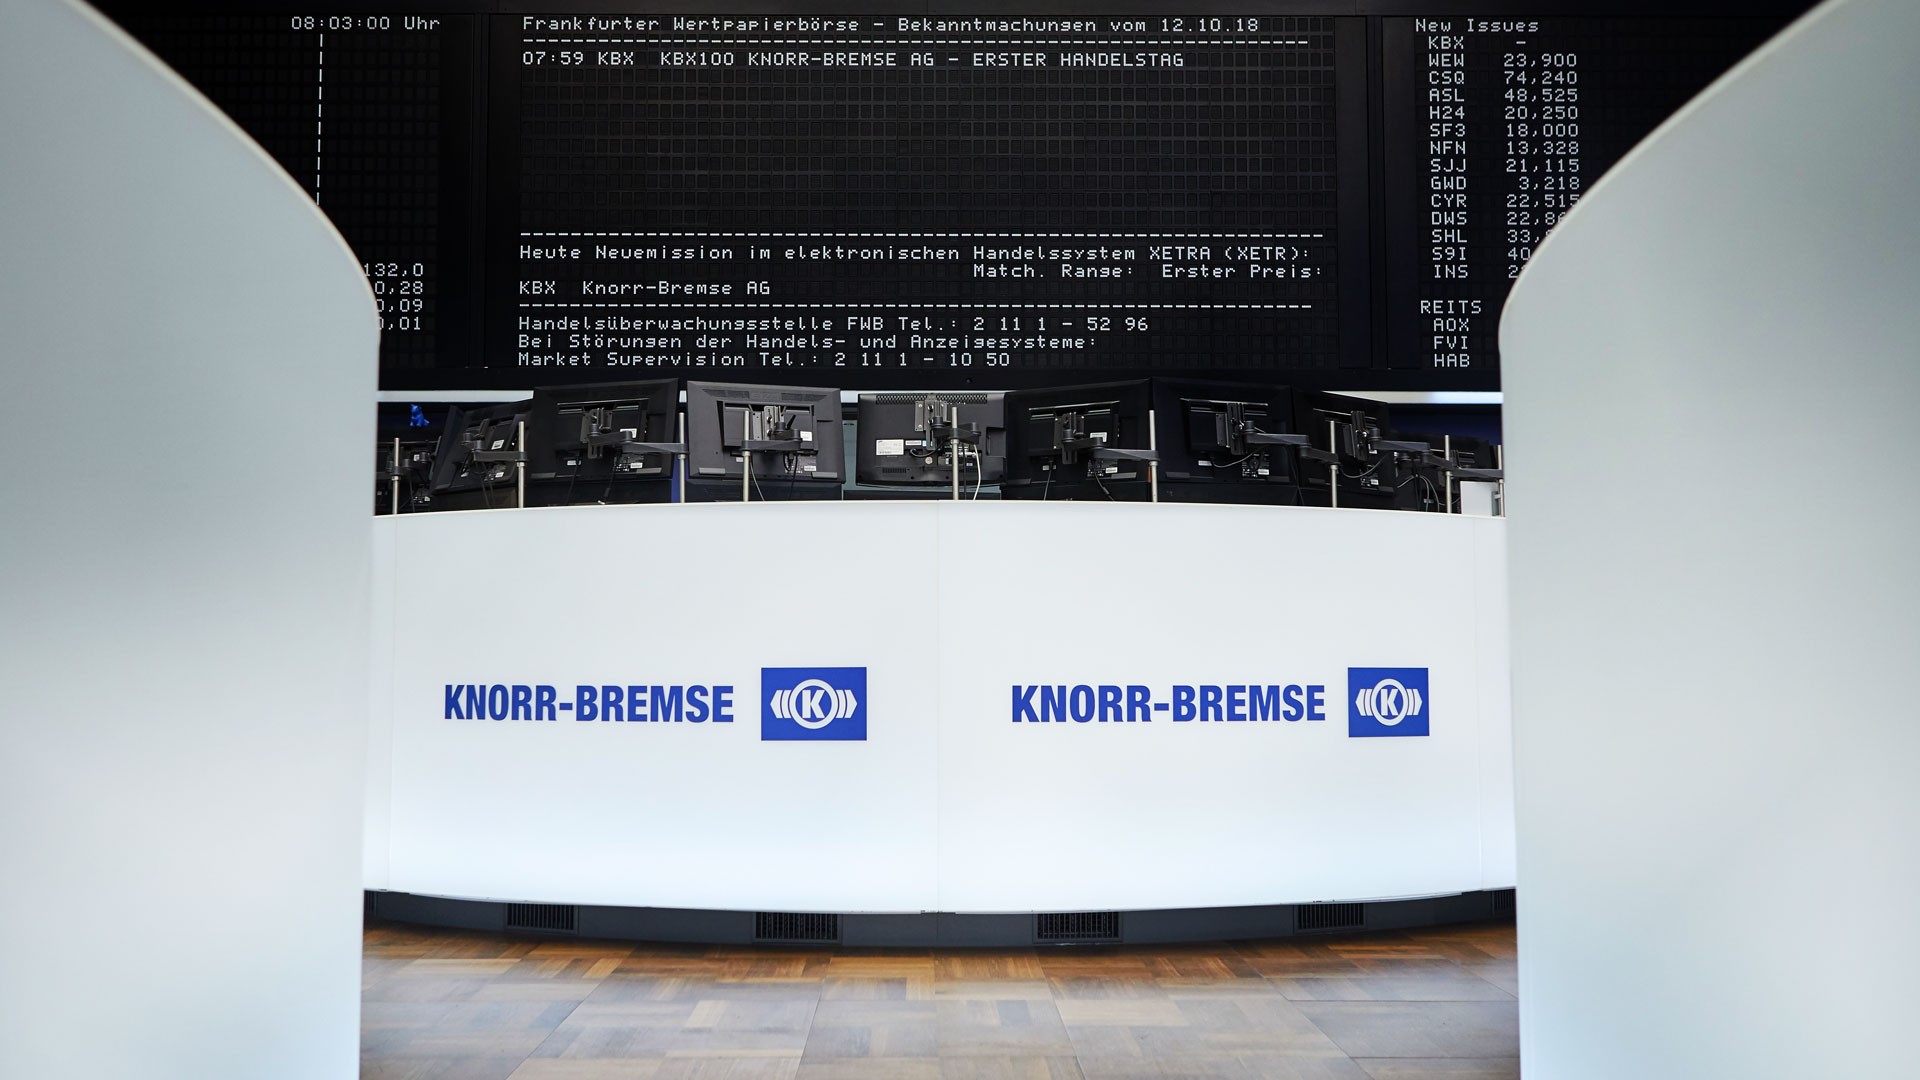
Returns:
(1209,441)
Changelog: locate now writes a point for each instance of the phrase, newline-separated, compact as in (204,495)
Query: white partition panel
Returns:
(1712,368)
(665,812)
(1211,811)
(1200,748)
(183,581)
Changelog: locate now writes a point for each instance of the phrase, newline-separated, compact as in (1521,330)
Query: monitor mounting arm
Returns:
(618,442)
(941,436)
(677,449)
(1403,446)
(1102,452)
(1303,443)
(772,446)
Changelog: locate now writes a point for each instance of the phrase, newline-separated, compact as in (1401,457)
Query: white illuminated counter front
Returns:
(1065,707)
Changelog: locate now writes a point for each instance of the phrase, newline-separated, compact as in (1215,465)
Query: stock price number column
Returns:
(1540,146)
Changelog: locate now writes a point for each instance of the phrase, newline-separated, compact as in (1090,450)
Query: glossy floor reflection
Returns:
(1412,1005)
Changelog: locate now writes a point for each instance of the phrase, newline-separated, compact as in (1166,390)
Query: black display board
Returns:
(924,200)
(376,116)
(1494,129)
(1334,195)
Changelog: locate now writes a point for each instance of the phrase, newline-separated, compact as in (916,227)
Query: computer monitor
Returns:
(791,433)
(1468,453)
(912,439)
(603,443)
(1430,468)
(413,471)
(1352,429)
(1451,459)
(1423,477)
(1080,442)
(416,428)
(1226,442)
(474,467)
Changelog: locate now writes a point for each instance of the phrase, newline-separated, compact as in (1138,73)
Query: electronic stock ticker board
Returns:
(905,201)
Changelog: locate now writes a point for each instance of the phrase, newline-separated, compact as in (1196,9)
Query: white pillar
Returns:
(1712,375)
(188,361)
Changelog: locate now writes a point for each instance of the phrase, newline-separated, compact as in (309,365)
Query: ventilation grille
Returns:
(1077,927)
(1311,917)
(1503,907)
(784,926)
(542,918)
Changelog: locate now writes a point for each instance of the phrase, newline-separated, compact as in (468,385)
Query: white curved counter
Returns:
(1066,707)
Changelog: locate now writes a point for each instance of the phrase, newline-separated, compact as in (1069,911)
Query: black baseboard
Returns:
(944,929)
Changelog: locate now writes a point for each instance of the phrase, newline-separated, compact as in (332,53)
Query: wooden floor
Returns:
(448,1005)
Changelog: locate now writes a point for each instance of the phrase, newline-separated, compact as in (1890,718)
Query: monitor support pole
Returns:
(1153,466)
(767,446)
(520,471)
(395,480)
(680,459)
(953,448)
(1333,467)
(1446,451)
(1500,485)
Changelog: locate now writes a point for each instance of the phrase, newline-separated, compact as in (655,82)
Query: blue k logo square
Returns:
(1383,702)
(813,704)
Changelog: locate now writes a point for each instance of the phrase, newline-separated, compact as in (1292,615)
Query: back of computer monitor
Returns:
(1421,480)
(726,420)
(900,438)
(579,443)
(462,482)
(1206,434)
(1041,425)
(415,428)
(402,480)
(1367,481)
(1463,451)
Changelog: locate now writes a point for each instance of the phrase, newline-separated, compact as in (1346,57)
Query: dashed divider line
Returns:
(891,41)
(319,115)
(972,307)
(1107,236)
